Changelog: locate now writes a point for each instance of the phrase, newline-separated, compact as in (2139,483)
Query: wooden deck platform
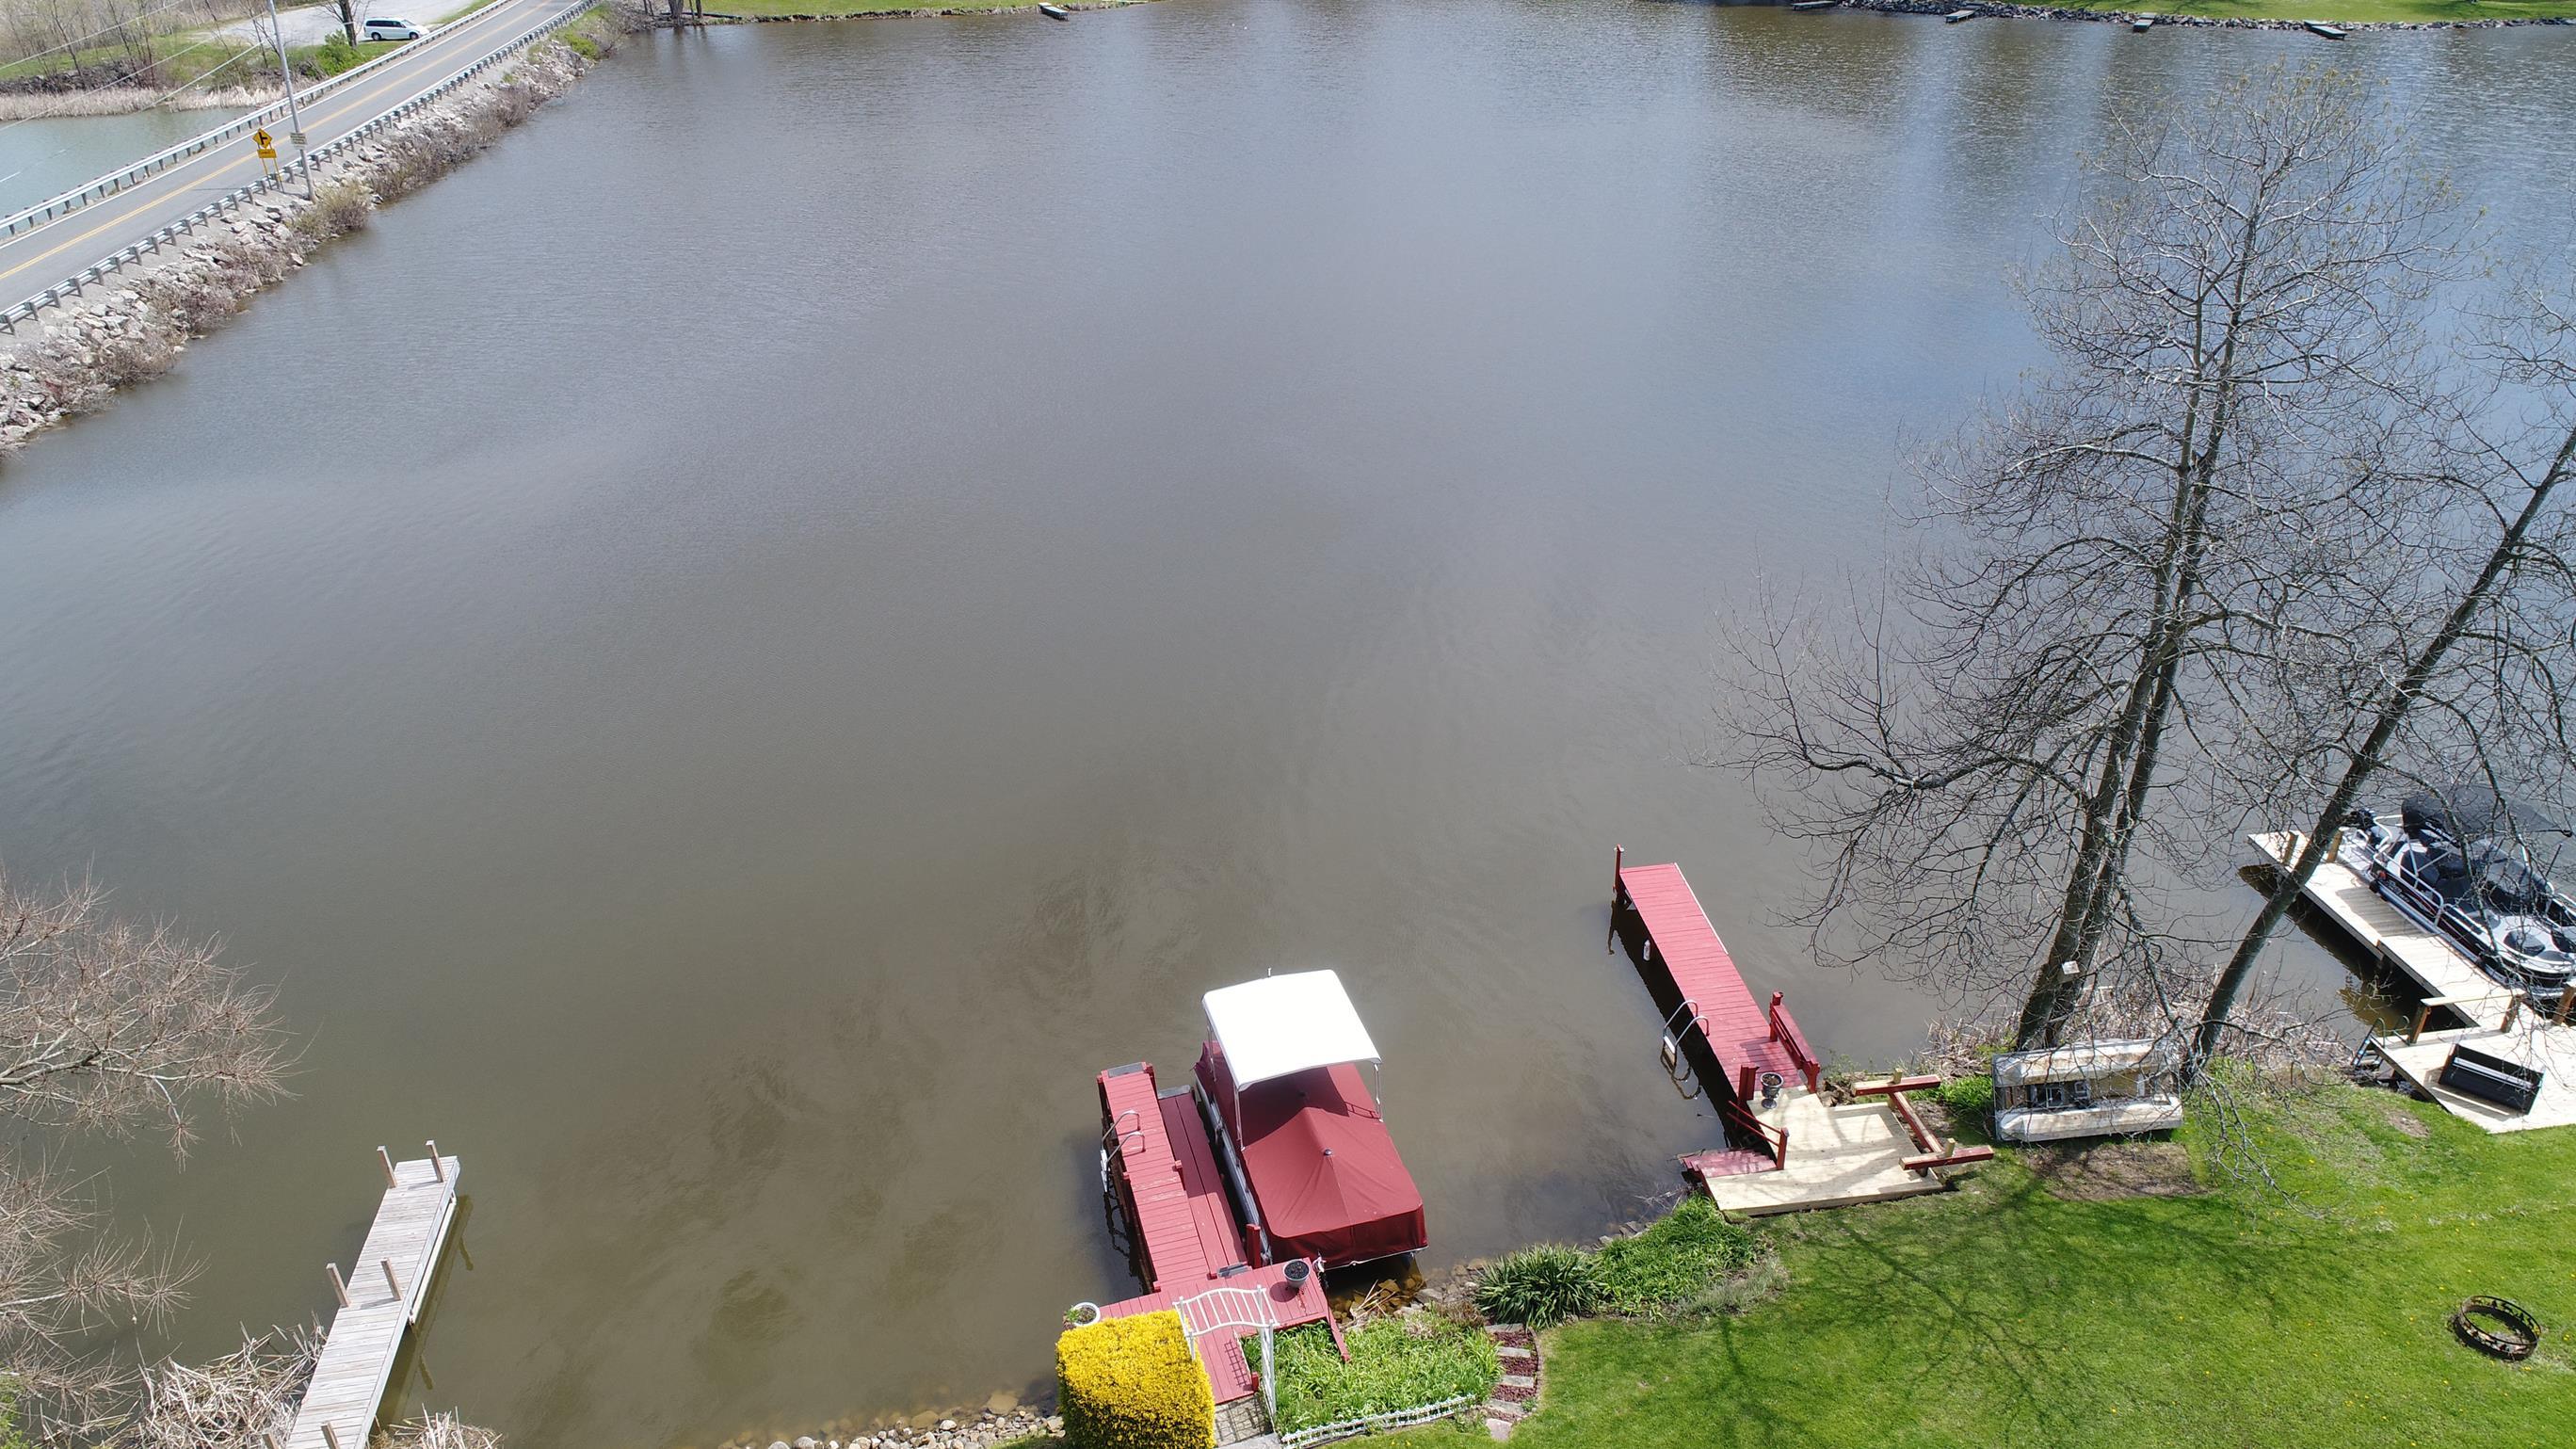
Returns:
(385,1290)
(1184,1224)
(1838,1155)
(2446,979)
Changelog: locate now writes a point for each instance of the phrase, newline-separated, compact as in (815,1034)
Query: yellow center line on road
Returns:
(363,95)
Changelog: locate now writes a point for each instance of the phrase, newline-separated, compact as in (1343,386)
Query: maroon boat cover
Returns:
(1324,1168)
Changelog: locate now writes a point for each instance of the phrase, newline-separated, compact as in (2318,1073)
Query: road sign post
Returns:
(294,118)
(267,151)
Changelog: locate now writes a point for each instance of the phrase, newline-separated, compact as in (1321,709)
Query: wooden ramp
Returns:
(2499,1023)
(381,1298)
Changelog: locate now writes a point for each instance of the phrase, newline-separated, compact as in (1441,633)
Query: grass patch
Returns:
(2006,1313)
(335,54)
(1680,1258)
(1396,1363)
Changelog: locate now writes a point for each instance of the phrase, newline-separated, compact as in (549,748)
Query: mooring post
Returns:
(437,1169)
(330,1436)
(2566,999)
(2423,1014)
(1618,862)
(2513,1007)
(387,1159)
(339,1285)
(392,1284)
(1776,998)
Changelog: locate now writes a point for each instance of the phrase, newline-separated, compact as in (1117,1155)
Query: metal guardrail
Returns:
(115,261)
(100,188)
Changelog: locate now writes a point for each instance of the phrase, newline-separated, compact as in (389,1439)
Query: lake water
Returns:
(730,655)
(42,159)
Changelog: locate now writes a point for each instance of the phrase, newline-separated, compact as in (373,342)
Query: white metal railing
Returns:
(1373,1423)
(125,256)
(100,188)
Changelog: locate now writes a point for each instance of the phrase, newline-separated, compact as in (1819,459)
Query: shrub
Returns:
(1969,1102)
(1540,1286)
(1395,1363)
(1130,1383)
(1675,1261)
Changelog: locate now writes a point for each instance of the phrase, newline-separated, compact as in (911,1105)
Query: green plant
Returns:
(1131,1383)
(1540,1286)
(1682,1256)
(1395,1364)
(1968,1101)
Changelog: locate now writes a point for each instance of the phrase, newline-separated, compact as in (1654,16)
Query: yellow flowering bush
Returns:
(1131,1383)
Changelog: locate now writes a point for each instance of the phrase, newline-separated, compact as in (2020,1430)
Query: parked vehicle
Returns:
(2475,867)
(388,30)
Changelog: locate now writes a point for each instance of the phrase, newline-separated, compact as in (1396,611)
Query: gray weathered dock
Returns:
(2501,1022)
(380,1299)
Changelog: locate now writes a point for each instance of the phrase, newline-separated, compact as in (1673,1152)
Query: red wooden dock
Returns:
(1194,1261)
(1745,1040)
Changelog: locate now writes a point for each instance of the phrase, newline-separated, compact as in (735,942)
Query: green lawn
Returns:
(2004,1315)
(2343,10)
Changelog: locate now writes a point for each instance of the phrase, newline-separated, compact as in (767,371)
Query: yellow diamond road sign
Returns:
(267,143)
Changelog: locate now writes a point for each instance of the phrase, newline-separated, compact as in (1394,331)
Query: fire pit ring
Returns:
(2497,1327)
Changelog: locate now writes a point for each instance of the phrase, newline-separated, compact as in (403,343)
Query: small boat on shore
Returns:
(1955,16)
(2330,32)
(1055,12)
(2142,23)
(1814,4)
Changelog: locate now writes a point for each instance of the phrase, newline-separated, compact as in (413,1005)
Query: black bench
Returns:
(2509,1085)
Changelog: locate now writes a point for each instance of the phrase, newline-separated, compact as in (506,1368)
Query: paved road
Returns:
(35,260)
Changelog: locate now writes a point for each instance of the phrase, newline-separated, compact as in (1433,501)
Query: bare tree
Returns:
(2477,680)
(2237,317)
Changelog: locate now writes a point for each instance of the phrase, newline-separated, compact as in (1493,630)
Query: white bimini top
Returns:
(1281,1025)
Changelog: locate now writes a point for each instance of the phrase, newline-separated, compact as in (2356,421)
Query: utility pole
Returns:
(294,118)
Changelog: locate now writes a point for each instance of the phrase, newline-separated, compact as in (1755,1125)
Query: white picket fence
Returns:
(1374,1423)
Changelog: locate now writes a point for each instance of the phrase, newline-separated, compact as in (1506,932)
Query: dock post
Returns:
(339,1285)
(1618,864)
(387,1159)
(2423,1014)
(392,1284)
(329,1435)
(2566,1000)
(2513,1001)
(437,1169)
(1776,998)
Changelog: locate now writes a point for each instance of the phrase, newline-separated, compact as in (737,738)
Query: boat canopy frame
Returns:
(1279,1026)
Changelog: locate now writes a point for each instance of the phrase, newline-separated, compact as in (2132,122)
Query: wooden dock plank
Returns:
(2443,973)
(349,1379)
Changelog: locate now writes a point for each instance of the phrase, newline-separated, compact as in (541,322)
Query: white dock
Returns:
(2501,1023)
(381,1297)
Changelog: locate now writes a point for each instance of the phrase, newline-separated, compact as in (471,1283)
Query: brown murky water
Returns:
(733,653)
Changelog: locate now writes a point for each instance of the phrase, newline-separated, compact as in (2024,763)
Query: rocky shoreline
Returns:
(1001,1421)
(1995,9)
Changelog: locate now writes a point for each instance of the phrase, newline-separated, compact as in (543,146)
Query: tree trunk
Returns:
(2293,879)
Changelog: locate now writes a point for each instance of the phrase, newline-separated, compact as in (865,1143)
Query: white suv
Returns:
(389,30)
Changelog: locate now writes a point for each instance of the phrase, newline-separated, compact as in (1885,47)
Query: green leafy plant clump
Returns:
(1540,1286)
(1690,1251)
(1395,1364)
(1969,1102)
